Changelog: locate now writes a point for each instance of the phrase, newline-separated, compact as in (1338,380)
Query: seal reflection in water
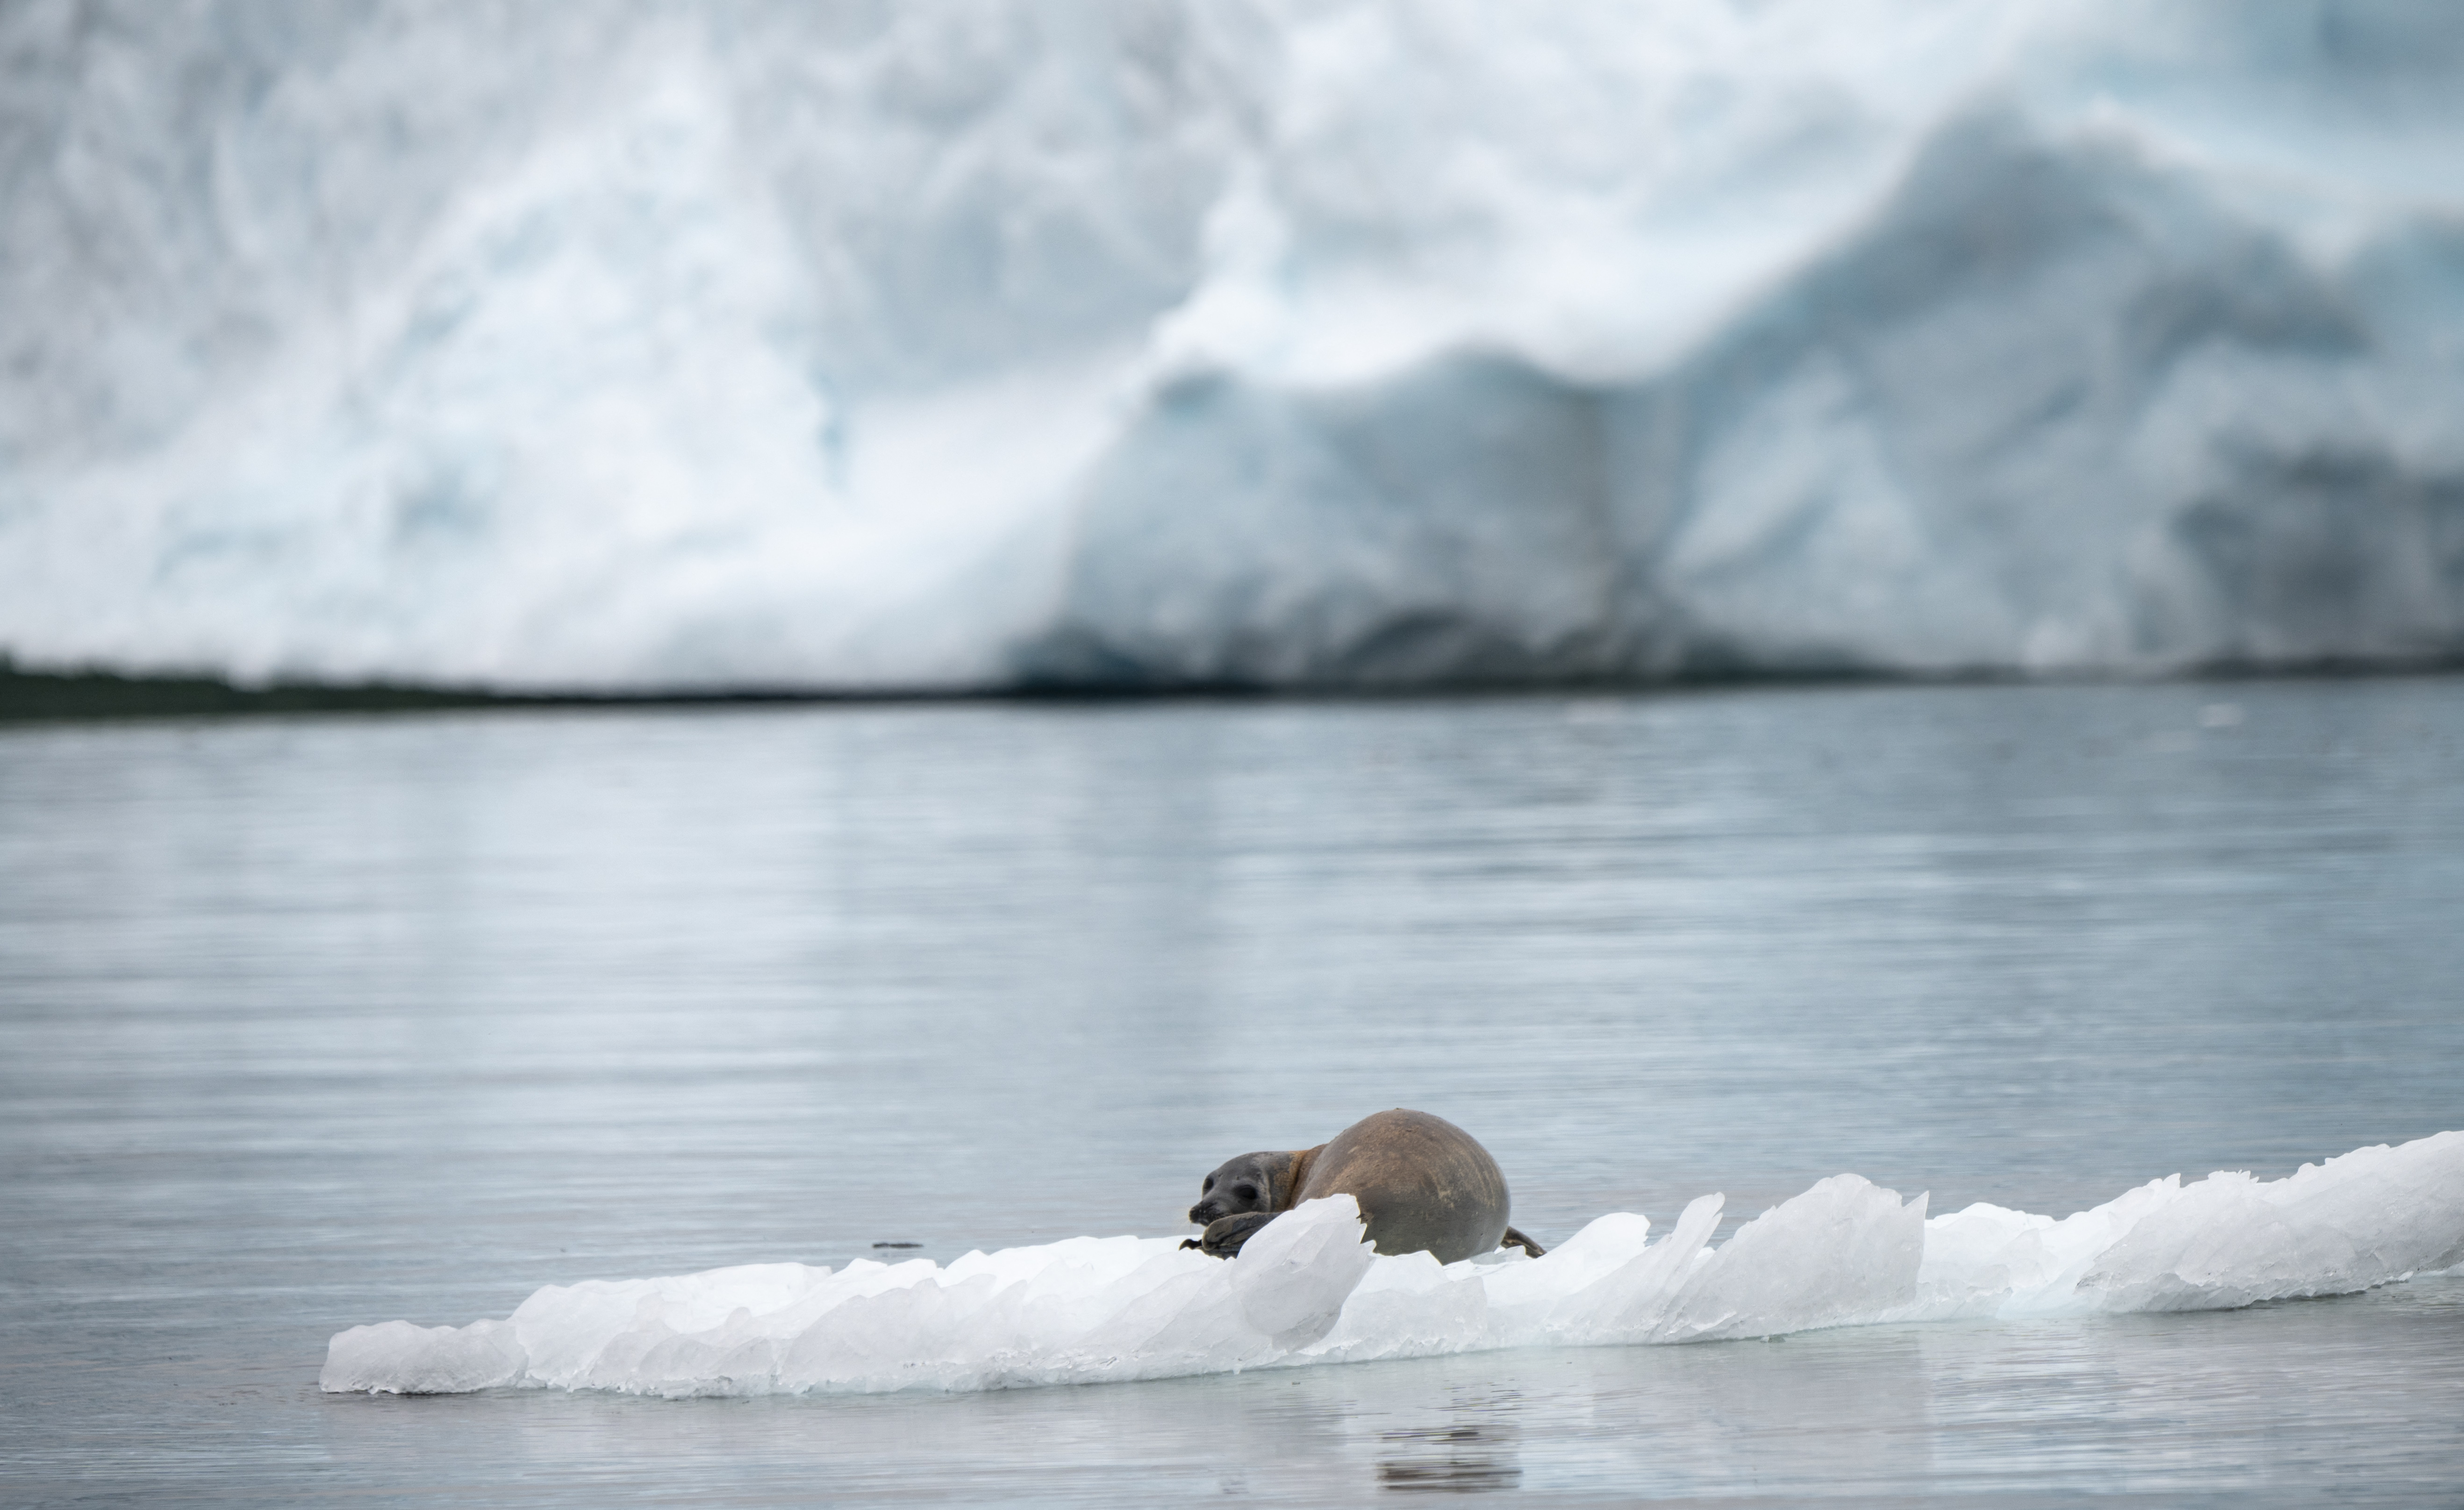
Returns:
(1422,1181)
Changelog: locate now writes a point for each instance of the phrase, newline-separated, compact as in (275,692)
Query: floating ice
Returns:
(1307,1289)
(964,344)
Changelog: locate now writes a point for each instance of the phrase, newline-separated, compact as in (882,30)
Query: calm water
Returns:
(309,1023)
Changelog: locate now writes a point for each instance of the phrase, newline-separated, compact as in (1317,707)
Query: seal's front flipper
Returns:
(1224,1234)
(1515,1240)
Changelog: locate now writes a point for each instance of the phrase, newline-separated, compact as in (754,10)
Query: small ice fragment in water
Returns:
(399,1358)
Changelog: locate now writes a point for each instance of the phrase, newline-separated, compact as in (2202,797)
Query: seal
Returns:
(1423,1184)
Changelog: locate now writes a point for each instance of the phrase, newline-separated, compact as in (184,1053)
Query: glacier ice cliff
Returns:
(1310,1290)
(1156,342)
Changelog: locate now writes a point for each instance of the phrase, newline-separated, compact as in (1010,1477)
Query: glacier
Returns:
(1308,1290)
(973,344)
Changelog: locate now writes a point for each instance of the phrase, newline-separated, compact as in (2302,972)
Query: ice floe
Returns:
(1308,1290)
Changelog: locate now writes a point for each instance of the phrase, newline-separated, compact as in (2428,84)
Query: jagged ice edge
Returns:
(1308,1290)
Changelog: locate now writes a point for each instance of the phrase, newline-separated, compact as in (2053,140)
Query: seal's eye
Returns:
(1248,1192)
(1208,1186)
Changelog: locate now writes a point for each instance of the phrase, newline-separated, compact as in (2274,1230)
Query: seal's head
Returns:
(1251,1182)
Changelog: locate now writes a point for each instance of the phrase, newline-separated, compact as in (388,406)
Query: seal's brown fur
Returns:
(1422,1181)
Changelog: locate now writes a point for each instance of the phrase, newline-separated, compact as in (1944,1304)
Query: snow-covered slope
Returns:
(965,345)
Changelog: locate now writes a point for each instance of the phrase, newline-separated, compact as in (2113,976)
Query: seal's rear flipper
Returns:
(1515,1240)
(1224,1234)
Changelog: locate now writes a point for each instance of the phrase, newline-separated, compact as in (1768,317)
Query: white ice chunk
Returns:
(2374,1216)
(1307,1289)
(399,1358)
(1844,1251)
(1293,1277)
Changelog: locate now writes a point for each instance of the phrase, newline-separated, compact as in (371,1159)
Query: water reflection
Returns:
(1478,1449)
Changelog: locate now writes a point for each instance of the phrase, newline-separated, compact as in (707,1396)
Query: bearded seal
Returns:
(1422,1181)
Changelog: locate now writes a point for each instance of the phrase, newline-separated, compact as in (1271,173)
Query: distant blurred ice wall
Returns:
(630,346)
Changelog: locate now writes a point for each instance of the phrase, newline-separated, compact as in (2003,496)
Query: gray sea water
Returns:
(312,1021)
